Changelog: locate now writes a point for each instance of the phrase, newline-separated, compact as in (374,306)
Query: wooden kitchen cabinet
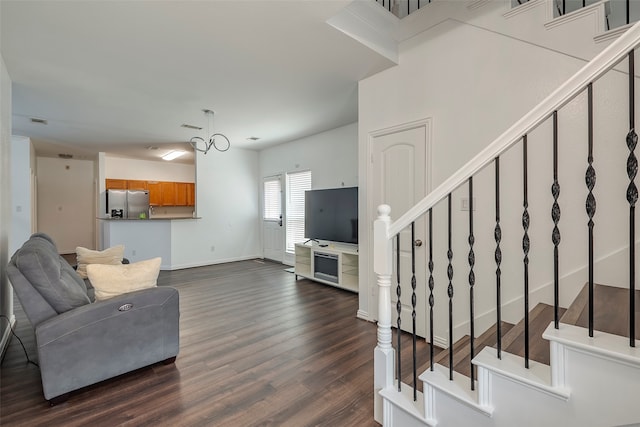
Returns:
(185,194)
(168,193)
(125,184)
(161,193)
(115,184)
(155,193)
(134,184)
(191,194)
(181,193)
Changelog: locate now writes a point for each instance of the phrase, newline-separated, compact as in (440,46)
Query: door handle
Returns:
(418,243)
(280,222)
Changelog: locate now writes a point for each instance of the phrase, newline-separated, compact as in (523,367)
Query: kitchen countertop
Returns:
(151,219)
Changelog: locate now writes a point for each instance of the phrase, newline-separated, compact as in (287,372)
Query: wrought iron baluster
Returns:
(497,234)
(450,288)
(590,179)
(413,308)
(399,311)
(525,248)
(555,215)
(632,198)
(472,281)
(431,286)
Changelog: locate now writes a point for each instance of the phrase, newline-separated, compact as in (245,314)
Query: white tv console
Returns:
(334,265)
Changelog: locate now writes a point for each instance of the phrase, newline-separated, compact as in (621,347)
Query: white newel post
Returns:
(383,356)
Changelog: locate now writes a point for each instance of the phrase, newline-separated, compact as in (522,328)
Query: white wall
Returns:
(6,294)
(474,84)
(66,202)
(331,156)
(147,170)
(21,173)
(227,197)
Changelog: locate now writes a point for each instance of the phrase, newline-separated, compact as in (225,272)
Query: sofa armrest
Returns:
(105,339)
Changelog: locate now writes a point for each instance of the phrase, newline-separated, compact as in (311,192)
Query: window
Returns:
(297,184)
(272,199)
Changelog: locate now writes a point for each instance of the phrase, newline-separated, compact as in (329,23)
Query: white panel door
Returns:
(399,161)
(272,229)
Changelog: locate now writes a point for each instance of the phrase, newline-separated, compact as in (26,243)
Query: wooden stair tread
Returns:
(518,331)
(610,316)
(539,319)
(576,308)
(406,357)
(462,349)
(610,310)
(443,358)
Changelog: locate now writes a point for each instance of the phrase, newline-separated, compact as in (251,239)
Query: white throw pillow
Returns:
(113,280)
(84,257)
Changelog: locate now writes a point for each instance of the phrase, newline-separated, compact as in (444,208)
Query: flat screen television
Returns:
(332,214)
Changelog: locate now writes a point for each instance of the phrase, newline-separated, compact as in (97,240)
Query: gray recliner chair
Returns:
(80,342)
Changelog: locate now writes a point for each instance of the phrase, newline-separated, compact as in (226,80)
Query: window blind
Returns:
(297,184)
(272,199)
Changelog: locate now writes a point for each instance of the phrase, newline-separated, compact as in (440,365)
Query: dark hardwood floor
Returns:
(257,349)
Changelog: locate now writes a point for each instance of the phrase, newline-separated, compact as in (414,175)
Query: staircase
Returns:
(527,395)
(512,341)
(555,367)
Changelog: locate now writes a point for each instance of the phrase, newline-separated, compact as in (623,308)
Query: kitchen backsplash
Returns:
(172,211)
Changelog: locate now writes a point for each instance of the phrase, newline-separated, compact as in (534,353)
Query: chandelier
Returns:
(216,140)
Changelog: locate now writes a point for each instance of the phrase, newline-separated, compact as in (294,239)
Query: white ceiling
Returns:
(119,76)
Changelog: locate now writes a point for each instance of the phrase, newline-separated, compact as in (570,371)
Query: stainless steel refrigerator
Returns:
(131,204)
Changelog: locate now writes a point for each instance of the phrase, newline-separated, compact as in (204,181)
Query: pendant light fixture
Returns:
(216,140)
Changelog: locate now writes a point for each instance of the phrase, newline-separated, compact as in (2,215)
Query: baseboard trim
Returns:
(6,336)
(205,263)
(441,342)
(361,314)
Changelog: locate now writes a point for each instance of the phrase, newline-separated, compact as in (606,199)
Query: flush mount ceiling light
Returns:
(188,126)
(173,154)
(38,120)
(216,140)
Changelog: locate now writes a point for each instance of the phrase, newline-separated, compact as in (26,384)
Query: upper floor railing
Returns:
(402,8)
(617,12)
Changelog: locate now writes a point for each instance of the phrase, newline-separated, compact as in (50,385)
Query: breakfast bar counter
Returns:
(142,238)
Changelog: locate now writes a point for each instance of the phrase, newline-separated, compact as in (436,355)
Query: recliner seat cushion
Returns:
(58,283)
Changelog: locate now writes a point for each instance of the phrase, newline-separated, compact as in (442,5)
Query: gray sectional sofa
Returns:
(81,342)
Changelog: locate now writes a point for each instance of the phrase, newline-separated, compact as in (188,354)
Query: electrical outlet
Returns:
(133,252)
(464,204)
(213,248)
